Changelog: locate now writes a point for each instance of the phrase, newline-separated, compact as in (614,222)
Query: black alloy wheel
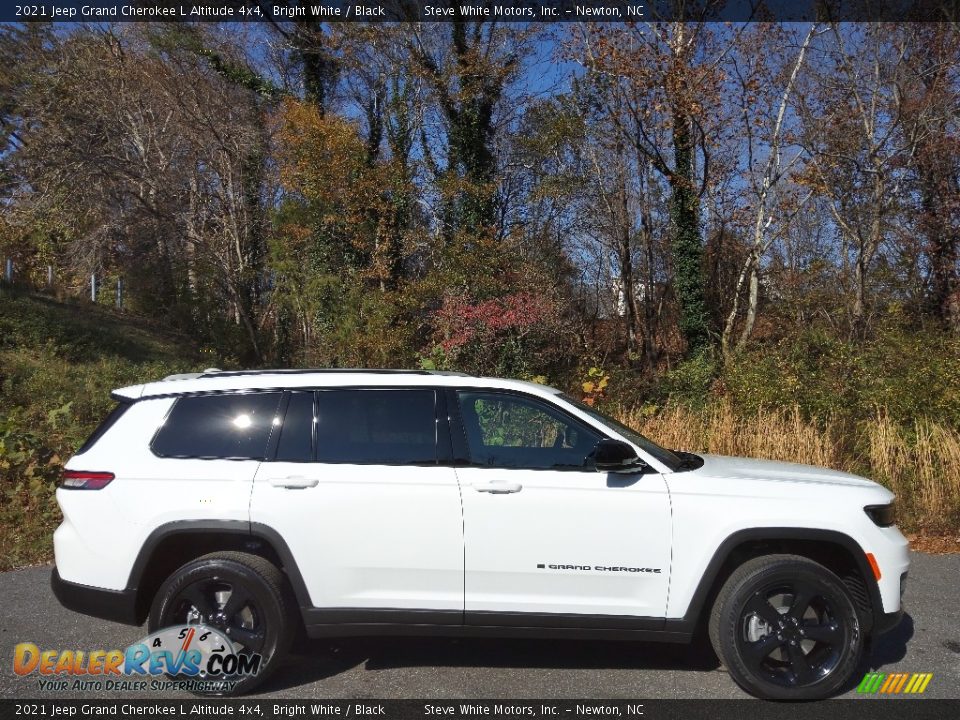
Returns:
(787,629)
(225,606)
(791,635)
(244,597)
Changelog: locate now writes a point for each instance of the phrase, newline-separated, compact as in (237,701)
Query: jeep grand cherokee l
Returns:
(383,502)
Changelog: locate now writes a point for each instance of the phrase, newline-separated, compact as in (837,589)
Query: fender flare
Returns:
(695,608)
(253,532)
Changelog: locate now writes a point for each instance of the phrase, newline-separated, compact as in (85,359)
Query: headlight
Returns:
(882,515)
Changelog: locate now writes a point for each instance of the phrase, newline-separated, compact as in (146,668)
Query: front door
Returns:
(356,489)
(545,534)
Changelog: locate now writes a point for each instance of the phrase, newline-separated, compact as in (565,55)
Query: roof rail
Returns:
(304,371)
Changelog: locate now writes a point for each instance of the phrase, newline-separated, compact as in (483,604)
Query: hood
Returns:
(722,467)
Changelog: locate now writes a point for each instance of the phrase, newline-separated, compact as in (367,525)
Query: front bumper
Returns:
(884,622)
(116,605)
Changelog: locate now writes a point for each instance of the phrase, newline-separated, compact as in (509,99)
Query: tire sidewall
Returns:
(232,572)
(833,589)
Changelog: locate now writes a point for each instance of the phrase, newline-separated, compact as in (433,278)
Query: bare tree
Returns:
(859,145)
(767,167)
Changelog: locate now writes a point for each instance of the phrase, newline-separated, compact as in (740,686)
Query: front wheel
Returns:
(787,629)
(244,597)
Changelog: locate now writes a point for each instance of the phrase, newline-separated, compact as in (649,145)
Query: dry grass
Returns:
(919,462)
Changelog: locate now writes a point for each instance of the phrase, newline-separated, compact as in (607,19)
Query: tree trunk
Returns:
(942,239)
(752,302)
(686,245)
(627,284)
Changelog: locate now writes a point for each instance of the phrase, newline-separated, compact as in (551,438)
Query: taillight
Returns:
(86,480)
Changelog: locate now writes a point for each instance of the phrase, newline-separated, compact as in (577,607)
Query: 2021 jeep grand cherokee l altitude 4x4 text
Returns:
(366,502)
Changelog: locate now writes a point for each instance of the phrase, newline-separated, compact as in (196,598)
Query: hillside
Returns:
(872,409)
(58,364)
(81,332)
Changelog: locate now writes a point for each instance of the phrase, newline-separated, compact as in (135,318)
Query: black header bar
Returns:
(610,11)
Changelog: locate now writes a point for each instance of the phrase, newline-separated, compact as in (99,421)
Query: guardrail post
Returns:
(119,293)
(93,287)
(49,276)
(8,271)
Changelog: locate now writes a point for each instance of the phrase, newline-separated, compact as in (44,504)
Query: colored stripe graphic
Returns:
(901,682)
(894,683)
(871,682)
(889,683)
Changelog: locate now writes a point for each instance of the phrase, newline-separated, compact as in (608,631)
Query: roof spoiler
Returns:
(192,376)
(126,394)
(135,392)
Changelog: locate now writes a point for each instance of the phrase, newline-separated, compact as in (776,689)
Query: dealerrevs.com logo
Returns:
(184,657)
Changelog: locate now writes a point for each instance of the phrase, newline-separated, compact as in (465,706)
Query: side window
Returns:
(377,427)
(296,433)
(511,431)
(218,426)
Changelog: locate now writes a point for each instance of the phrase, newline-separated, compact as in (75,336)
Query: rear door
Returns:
(367,502)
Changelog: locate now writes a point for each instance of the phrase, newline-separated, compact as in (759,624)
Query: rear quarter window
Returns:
(234,427)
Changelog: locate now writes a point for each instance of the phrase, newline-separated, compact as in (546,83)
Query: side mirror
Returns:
(615,456)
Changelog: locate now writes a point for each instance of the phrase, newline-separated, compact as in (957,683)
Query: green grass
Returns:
(58,363)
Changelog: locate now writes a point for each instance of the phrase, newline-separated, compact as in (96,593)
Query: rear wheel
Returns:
(787,629)
(243,596)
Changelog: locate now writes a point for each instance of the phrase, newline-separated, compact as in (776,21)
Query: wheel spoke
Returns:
(828,633)
(202,601)
(756,652)
(759,605)
(799,664)
(252,640)
(801,601)
(237,601)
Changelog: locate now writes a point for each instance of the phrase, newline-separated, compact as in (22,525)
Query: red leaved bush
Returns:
(516,334)
(461,323)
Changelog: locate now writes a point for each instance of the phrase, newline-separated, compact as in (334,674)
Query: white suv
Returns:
(385,502)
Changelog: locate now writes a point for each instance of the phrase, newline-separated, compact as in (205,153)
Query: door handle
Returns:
(497,487)
(294,482)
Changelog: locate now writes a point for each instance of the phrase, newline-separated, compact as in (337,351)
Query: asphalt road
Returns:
(928,640)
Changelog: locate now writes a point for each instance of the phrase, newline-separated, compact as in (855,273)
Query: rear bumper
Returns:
(116,605)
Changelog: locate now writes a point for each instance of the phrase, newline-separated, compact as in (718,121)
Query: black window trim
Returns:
(450,437)
(274,444)
(458,433)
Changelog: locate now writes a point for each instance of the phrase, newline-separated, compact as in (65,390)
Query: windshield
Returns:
(667,457)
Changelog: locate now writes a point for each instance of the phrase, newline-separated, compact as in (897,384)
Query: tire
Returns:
(786,628)
(201,590)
